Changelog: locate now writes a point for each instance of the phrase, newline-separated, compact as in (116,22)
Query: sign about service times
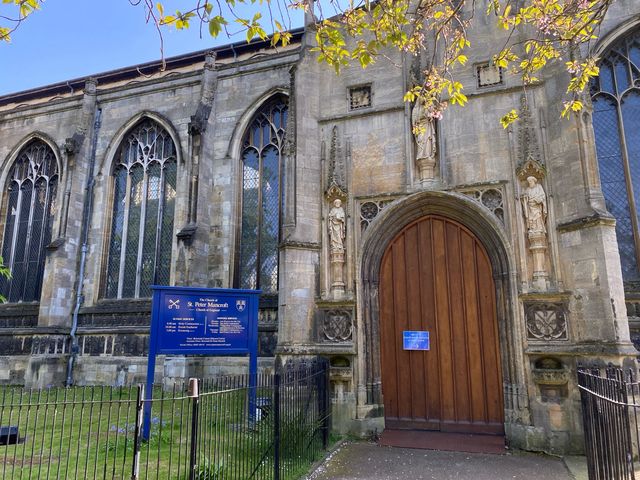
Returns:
(194,322)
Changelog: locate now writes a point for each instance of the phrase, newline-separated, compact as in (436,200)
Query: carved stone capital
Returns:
(187,232)
(550,377)
(426,168)
(537,241)
(91,86)
(196,125)
(55,244)
(337,256)
(71,146)
(210,60)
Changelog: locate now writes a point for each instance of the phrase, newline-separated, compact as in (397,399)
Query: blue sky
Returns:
(68,39)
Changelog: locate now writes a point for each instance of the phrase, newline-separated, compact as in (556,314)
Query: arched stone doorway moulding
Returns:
(377,238)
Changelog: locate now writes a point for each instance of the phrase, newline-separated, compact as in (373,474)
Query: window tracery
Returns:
(31,190)
(262,197)
(144,195)
(616,121)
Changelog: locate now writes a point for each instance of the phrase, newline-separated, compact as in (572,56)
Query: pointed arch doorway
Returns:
(436,276)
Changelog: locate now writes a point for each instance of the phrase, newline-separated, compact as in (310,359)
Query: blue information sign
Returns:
(415,340)
(202,321)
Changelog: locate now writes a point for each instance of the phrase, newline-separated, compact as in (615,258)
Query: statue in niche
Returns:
(534,208)
(337,219)
(424,132)
(534,205)
(336,224)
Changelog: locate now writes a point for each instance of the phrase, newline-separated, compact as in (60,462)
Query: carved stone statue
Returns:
(534,208)
(424,131)
(337,227)
(534,205)
(337,235)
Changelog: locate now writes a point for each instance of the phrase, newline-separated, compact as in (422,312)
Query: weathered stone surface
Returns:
(354,131)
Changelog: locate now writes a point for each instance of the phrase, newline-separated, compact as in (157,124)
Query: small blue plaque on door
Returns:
(415,340)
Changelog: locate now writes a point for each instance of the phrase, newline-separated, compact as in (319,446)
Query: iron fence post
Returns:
(137,435)
(326,411)
(195,399)
(276,426)
(626,423)
(607,421)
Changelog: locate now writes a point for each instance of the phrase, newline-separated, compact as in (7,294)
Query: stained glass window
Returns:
(30,198)
(616,122)
(144,193)
(262,197)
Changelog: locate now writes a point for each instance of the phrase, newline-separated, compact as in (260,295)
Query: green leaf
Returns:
(214,27)
(509,118)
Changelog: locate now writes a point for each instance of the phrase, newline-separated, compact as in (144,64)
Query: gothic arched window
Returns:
(31,189)
(262,181)
(144,195)
(616,122)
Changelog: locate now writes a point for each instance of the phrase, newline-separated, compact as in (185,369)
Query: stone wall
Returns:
(349,138)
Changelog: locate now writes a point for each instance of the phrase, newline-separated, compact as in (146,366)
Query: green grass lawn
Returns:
(88,432)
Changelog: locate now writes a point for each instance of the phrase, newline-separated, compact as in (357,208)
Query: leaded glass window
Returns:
(144,196)
(262,197)
(616,122)
(30,206)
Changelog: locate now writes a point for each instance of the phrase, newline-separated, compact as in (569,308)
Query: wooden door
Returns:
(436,276)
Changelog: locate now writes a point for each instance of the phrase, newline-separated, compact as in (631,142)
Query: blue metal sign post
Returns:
(202,321)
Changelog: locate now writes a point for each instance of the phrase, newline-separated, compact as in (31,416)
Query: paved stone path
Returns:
(368,461)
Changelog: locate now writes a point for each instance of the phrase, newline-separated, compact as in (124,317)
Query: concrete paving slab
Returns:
(368,461)
(577,465)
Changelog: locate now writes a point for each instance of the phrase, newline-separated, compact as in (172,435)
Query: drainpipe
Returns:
(84,234)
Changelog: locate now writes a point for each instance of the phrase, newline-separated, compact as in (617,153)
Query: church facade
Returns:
(517,250)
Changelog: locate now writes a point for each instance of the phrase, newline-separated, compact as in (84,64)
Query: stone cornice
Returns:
(331,304)
(584,349)
(230,51)
(597,219)
(34,331)
(19,309)
(300,245)
(119,306)
(545,296)
(362,113)
(346,348)
(115,330)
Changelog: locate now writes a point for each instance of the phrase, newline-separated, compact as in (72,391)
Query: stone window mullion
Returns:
(161,202)
(125,233)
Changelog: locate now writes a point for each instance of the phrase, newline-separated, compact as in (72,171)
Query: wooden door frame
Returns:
(492,234)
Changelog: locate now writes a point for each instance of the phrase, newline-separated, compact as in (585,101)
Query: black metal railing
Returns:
(610,402)
(233,427)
